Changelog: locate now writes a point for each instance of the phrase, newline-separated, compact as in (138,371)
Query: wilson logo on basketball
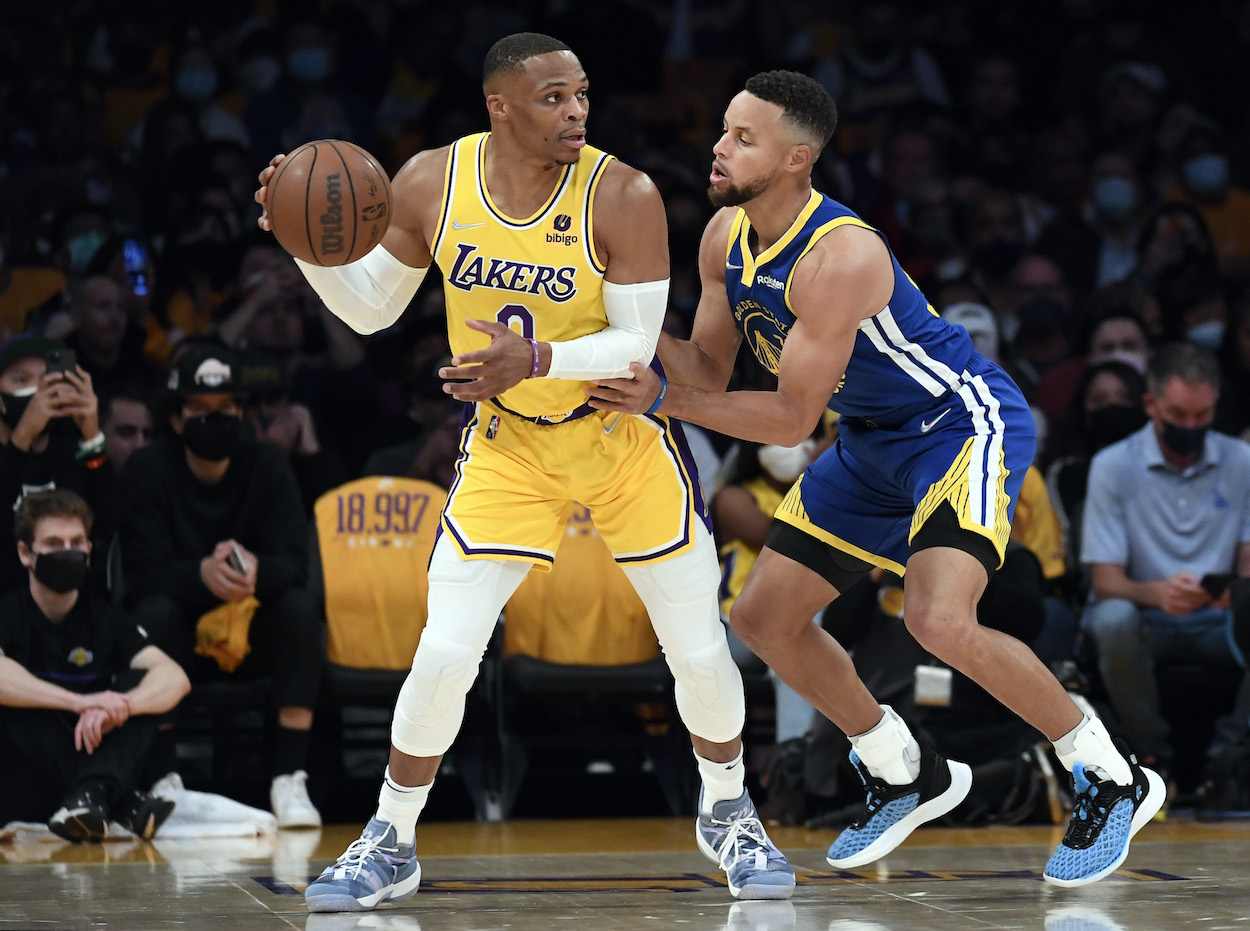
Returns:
(332,219)
(562,222)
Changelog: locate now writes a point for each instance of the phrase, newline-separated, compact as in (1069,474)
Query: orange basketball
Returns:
(329,202)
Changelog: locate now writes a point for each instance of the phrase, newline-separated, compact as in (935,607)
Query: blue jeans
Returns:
(1130,640)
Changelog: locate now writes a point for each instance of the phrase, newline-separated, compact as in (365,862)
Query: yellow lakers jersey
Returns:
(736,558)
(375,537)
(538,275)
(582,612)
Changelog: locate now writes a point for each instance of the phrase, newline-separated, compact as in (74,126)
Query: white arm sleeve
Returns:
(370,293)
(635,317)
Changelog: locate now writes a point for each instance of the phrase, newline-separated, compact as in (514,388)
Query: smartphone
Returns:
(236,560)
(60,361)
(1216,583)
(135,256)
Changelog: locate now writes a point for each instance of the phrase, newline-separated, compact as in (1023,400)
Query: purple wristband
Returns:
(534,349)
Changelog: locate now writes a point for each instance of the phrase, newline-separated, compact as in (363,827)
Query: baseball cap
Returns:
(25,346)
(980,323)
(205,369)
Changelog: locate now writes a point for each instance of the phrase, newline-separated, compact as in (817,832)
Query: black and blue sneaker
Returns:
(893,812)
(1104,819)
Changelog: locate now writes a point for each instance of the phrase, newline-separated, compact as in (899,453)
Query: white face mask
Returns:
(786,463)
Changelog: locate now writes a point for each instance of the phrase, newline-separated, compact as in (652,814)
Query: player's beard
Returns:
(735,195)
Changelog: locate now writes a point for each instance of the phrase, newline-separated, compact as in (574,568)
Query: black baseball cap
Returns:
(26,346)
(206,369)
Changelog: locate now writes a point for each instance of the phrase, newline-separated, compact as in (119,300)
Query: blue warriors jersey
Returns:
(905,358)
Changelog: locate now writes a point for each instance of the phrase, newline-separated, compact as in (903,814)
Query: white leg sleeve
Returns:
(466,597)
(680,595)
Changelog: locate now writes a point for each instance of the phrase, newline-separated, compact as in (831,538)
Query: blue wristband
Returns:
(659,398)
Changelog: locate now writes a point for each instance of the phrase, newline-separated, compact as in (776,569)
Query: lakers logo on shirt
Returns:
(764,332)
(80,657)
(474,270)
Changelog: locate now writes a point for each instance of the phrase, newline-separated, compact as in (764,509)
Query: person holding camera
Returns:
(1166,533)
(214,553)
(50,436)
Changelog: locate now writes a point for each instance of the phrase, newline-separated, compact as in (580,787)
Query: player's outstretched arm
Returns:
(371,293)
(846,277)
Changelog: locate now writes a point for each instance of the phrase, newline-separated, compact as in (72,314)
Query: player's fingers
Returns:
(486,326)
(454,372)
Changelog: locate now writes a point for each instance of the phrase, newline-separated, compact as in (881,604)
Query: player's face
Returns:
(751,152)
(547,105)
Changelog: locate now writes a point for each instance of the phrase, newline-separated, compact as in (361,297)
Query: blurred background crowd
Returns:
(1067,179)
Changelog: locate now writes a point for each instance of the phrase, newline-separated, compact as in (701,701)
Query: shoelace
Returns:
(740,830)
(358,854)
(1088,814)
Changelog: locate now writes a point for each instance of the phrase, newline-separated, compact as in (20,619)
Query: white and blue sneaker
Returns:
(733,837)
(376,868)
(1104,819)
(892,812)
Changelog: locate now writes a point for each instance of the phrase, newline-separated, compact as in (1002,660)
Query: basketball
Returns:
(329,202)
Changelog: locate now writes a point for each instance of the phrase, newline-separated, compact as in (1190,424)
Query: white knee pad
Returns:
(466,597)
(680,595)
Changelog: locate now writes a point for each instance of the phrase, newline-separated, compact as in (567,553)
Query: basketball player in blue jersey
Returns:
(541,300)
(934,443)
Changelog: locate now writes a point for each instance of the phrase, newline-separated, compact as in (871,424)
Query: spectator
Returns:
(1191,303)
(22,288)
(130,262)
(80,687)
(1173,234)
(49,437)
(109,347)
(214,550)
(1098,244)
(1200,159)
(126,419)
(992,229)
(1166,507)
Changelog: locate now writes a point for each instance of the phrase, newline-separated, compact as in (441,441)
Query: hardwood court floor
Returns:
(618,875)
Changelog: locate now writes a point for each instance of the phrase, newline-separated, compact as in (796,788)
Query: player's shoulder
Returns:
(427,167)
(622,184)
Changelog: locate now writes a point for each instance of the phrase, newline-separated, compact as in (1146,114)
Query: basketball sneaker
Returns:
(892,812)
(142,814)
(83,817)
(1104,819)
(375,868)
(289,801)
(733,837)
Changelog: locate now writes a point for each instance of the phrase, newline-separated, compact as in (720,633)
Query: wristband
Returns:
(659,398)
(537,361)
(91,448)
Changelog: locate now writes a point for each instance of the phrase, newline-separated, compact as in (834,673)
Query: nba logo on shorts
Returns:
(493,427)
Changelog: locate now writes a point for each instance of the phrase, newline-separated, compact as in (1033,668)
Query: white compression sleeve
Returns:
(635,317)
(370,293)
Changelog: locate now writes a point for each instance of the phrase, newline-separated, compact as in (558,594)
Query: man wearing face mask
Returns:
(81,686)
(214,559)
(1168,509)
(50,437)
(1200,160)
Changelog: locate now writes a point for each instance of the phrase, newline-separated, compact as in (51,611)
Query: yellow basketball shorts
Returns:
(516,481)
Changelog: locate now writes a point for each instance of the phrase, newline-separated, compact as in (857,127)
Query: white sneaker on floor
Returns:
(288,799)
(168,786)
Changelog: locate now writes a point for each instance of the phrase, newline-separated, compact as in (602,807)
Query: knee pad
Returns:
(680,581)
(709,692)
(430,706)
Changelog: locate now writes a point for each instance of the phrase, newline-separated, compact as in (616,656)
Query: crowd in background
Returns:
(1066,179)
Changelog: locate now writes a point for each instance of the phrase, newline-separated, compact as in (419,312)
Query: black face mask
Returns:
(63,571)
(214,436)
(1113,423)
(998,255)
(1184,441)
(14,407)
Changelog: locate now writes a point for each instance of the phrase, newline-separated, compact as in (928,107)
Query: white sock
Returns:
(401,806)
(889,750)
(1090,745)
(721,781)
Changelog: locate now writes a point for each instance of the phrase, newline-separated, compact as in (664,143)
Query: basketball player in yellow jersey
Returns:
(541,301)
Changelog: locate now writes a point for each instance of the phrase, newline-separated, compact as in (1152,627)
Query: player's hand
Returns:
(627,395)
(115,706)
(92,725)
(222,579)
(262,194)
(504,364)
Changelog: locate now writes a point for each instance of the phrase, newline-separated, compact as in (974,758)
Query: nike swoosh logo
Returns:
(736,268)
(457,225)
(926,427)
